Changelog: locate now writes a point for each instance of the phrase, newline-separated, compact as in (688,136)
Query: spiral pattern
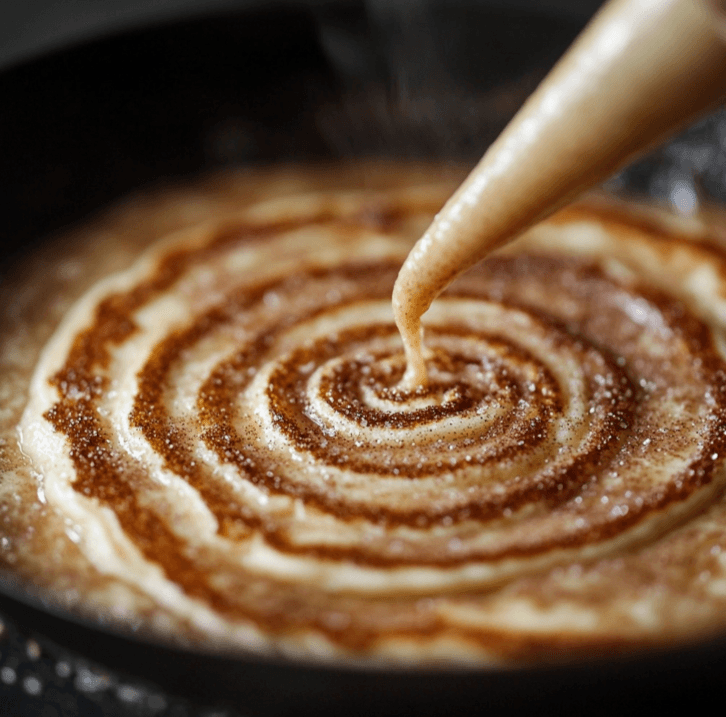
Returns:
(223,425)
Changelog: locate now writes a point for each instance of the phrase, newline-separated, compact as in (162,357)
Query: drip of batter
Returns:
(639,72)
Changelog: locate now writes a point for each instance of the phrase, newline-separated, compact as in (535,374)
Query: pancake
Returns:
(205,437)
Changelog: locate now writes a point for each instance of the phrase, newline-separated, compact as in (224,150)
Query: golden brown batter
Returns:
(212,446)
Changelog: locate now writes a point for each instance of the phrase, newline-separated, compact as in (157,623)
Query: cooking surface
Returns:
(208,115)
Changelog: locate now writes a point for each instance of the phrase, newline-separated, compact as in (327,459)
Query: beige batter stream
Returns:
(640,71)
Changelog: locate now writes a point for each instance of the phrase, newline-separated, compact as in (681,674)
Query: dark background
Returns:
(31,27)
(97,100)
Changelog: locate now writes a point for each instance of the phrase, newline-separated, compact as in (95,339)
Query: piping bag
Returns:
(639,72)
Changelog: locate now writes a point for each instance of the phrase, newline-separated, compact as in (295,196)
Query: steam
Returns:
(417,81)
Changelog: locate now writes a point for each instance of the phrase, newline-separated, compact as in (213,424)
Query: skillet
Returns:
(87,124)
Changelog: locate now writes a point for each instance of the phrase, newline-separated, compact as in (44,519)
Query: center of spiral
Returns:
(378,381)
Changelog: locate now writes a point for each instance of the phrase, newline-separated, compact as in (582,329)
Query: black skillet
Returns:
(292,83)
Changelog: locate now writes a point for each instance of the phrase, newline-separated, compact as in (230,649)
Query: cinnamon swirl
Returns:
(209,441)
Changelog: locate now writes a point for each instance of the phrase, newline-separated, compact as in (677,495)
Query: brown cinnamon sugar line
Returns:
(149,415)
(109,480)
(216,414)
(217,400)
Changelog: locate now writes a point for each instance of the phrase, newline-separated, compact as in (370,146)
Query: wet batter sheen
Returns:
(205,439)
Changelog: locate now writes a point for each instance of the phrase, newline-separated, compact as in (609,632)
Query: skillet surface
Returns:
(83,127)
